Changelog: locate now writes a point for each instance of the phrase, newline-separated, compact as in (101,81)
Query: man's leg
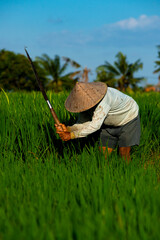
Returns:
(125,153)
(105,151)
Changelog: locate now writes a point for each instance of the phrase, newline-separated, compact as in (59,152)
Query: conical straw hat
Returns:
(85,96)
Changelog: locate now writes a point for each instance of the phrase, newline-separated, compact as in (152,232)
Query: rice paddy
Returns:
(57,190)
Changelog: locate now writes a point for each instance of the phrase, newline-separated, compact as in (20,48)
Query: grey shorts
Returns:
(121,136)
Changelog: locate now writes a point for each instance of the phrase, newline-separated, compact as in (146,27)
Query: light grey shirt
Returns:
(116,109)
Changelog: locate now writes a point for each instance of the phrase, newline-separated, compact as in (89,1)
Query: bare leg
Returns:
(125,153)
(105,151)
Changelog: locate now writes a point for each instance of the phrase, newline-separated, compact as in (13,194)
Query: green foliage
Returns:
(121,74)
(16,72)
(104,76)
(56,72)
(157,62)
(56,190)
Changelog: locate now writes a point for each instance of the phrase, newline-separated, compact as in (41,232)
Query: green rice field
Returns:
(57,190)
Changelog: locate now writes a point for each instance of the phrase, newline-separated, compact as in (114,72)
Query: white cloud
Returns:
(143,22)
(136,32)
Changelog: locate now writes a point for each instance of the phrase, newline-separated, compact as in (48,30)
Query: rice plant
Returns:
(51,189)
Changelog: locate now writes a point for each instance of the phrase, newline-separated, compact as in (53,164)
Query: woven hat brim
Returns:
(85,96)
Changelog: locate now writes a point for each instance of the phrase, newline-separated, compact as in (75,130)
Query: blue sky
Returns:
(89,32)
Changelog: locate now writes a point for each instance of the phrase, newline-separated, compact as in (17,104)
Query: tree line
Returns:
(16,72)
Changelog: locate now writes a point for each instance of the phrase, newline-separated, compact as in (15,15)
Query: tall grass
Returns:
(55,190)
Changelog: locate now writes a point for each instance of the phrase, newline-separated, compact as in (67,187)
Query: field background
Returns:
(51,189)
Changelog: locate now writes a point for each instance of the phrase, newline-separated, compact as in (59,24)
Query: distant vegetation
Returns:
(16,73)
(158,62)
(121,74)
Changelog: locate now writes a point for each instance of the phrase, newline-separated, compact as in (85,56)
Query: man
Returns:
(103,108)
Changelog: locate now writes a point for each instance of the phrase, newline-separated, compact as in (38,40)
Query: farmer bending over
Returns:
(103,108)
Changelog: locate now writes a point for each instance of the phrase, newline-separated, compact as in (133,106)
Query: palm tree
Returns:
(57,78)
(121,74)
(158,63)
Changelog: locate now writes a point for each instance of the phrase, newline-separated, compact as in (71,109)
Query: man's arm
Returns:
(95,124)
(86,128)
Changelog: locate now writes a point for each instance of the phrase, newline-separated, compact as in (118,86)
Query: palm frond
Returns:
(73,63)
(111,68)
(73,74)
(157,70)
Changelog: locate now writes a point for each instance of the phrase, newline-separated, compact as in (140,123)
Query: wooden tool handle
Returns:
(55,116)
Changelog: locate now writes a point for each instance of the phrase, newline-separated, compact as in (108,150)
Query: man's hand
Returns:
(61,129)
(65,136)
